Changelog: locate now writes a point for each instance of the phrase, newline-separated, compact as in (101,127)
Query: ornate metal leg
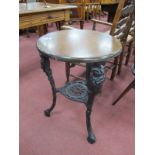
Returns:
(95,77)
(91,137)
(45,65)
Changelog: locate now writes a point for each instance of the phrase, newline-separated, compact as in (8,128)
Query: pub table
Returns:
(79,46)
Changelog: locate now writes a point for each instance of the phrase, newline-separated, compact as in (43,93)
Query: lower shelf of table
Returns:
(76,91)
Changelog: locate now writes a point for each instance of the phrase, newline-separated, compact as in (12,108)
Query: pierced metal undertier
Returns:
(76,91)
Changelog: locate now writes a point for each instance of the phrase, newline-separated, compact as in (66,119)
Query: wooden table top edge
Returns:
(79,60)
(46,9)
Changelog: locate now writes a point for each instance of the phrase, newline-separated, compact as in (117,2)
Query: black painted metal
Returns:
(81,91)
(76,91)
(45,65)
(95,77)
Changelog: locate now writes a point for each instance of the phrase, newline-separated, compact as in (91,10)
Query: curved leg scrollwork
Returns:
(45,65)
(91,137)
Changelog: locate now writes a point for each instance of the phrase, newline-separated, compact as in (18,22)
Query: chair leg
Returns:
(42,29)
(133,53)
(131,85)
(114,69)
(99,14)
(81,24)
(94,26)
(87,15)
(27,33)
(58,25)
(120,63)
(129,53)
(67,68)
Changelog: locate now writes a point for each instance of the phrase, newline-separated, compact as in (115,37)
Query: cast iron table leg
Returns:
(45,65)
(95,77)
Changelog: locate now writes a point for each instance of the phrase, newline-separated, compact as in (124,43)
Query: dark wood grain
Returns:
(79,46)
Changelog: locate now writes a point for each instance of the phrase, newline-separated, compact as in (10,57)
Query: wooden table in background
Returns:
(37,14)
(80,13)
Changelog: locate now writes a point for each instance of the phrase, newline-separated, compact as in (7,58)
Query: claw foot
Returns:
(47,113)
(91,138)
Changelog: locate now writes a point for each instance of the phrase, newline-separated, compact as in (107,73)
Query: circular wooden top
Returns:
(79,46)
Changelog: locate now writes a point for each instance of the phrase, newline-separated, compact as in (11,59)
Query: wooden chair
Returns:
(92,9)
(78,14)
(124,19)
(120,28)
(129,87)
(85,10)
(130,44)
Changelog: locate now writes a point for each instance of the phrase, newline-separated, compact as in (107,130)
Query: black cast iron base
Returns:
(91,138)
(81,91)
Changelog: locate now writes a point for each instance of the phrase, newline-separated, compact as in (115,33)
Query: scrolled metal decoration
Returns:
(76,91)
(45,65)
(97,76)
